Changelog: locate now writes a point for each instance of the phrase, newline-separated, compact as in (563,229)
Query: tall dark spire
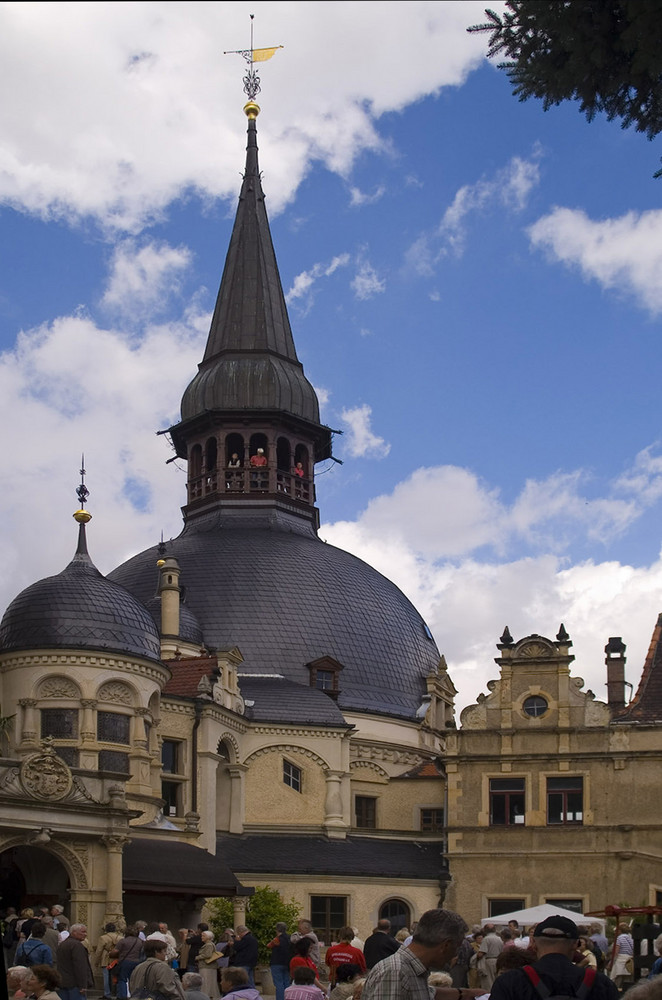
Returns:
(250,361)
(250,427)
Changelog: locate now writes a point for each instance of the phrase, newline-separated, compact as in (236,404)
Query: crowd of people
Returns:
(440,959)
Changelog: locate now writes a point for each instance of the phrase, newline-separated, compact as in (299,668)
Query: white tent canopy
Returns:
(534,914)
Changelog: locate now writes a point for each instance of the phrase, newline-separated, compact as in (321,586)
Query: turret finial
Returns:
(82,516)
(252,80)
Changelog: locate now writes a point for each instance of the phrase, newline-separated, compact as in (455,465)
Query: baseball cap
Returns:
(557,927)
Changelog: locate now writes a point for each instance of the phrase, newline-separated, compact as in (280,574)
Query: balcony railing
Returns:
(251,480)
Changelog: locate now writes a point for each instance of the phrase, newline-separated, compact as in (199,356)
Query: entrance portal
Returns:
(30,876)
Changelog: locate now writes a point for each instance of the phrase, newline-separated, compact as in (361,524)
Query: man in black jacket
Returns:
(74,965)
(244,953)
(556,940)
(380,944)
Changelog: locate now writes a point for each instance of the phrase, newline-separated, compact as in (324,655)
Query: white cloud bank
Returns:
(360,440)
(143,278)
(445,537)
(116,109)
(623,254)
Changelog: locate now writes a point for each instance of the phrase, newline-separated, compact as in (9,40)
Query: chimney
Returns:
(615,660)
(169,593)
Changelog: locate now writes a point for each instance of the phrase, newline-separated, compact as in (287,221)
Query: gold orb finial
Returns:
(160,563)
(251,110)
(82,516)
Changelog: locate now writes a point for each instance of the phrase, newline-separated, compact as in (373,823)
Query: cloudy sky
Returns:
(474,287)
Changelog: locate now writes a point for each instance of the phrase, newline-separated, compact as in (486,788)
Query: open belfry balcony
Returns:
(246,481)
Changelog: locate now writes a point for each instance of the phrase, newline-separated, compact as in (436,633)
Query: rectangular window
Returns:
(565,800)
(292,775)
(365,812)
(576,905)
(112,727)
(114,760)
(325,680)
(506,801)
(68,754)
(60,723)
(172,795)
(432,820)
(170,753)
(498,906)
(328,915)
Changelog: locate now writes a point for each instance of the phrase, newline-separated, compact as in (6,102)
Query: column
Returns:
(334,822)
(114,845)
(239,910)
(88,729)
(236,772)
(29,728)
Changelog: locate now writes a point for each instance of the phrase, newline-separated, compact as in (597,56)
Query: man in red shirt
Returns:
(340,954)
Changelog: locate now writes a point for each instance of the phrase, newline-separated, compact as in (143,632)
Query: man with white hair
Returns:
(73,964)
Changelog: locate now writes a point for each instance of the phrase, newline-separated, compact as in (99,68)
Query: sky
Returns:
(474,286)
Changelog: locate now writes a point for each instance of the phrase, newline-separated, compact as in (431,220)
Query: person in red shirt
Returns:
(343,953)
(258,460)
(302,958)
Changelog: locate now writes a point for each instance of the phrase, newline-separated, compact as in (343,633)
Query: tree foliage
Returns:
(263,911)
(606,54)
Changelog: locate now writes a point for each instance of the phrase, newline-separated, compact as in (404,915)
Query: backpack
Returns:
(25,955)
(545,993)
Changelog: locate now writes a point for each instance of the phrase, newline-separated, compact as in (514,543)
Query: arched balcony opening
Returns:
(302,486)
(211,458)
(195,472)
(284,465)
(234,464)
(259,464)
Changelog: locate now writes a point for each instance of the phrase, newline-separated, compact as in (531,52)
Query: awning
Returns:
(160,866)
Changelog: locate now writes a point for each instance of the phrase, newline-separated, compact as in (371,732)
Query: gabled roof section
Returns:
(646,706)
(187,672)
(426,769)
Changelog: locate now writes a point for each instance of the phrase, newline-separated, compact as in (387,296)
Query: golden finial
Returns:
(251,110)
(82,516)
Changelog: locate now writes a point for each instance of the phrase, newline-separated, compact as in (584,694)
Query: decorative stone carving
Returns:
(10,783)
(80,793)
(368,765)
(288,748)
(115,692)
(534,650)
(45,776)
(230,741)
(58,687)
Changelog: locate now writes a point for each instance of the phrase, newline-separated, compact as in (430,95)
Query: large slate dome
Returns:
(285,598)
(79,609)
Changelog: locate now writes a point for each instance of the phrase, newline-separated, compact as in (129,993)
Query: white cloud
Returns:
(303,282)
(82,388)
(445,538)
(509,189)
(624,254)
(360,440)
(142,278)
(367,282)
(118,108)
(359,198)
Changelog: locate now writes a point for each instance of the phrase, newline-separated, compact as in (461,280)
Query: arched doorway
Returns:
(31,876)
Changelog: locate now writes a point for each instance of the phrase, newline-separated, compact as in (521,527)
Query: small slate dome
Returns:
(80,609)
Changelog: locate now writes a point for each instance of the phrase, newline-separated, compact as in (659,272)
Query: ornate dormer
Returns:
(250,428)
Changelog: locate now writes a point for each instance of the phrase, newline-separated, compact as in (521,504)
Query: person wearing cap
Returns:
(556,940)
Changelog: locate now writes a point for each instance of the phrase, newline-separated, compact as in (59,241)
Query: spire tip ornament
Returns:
(82,516)
(252,81)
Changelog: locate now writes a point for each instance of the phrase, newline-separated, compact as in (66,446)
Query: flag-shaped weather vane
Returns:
(252,56)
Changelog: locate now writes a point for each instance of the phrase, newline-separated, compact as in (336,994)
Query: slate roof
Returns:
(285,598)
(161,866)
(189,626)
(276,699)
(646,706)
(250,361)
(321,856)
(79,609)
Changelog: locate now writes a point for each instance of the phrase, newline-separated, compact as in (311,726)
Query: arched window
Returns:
(397,911)
(223,751)
(283,454)
(210,454)
(195,461)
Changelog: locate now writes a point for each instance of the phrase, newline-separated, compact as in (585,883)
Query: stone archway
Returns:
(30,875)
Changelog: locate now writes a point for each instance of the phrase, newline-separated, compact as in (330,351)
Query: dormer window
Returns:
(325,675)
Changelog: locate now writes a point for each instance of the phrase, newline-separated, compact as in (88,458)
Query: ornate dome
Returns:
(79,609)
(271,587)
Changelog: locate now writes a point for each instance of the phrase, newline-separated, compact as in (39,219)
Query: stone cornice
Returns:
(280,730)
(100,661)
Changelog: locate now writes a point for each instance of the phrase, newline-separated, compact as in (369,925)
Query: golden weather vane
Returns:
(251,80)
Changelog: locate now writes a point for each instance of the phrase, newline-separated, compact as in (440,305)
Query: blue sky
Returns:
(474,288)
